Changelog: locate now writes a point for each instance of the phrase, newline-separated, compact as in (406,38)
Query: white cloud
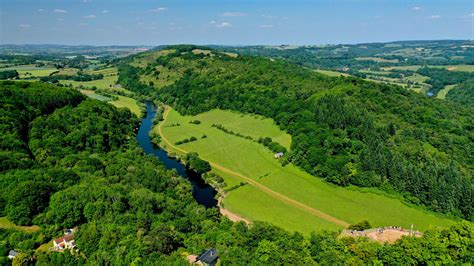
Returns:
(434,17)
(24,26)
(90,16)
(86,1)
(57,10)
(158,9)
(268,16)
(105,11)
(416,8)
(233,14)
(265,26)
(40,10)
(471,15)
(221,24)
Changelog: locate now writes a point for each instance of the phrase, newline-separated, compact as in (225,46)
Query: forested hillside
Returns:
(345,130)
(78,165)
(463,93)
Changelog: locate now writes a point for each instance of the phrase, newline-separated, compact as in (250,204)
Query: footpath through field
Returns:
(256,184)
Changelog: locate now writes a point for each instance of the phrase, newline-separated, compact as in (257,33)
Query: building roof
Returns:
(65,238)
(209,256)
(13,253)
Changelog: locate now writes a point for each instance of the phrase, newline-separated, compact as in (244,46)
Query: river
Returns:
(202,192)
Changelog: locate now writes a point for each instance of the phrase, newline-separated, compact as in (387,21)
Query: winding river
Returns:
(202,192)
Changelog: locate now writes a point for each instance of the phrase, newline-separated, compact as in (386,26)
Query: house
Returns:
(70,231)
(64,242)
(278,155)
(12,254)
(208,257)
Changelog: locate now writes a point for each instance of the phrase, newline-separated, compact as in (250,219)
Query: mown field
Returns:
(253,160)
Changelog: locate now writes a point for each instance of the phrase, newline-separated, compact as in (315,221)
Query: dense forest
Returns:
(68,161)
(463,93)
(345,130)
(439,77)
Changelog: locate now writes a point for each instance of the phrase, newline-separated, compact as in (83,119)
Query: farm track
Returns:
(261,187)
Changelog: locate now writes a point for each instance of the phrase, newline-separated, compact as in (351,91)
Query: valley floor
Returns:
(259,188)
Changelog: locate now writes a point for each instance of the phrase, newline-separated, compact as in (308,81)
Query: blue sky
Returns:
(238,22)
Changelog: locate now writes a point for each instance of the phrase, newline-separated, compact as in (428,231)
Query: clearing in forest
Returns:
(259,188)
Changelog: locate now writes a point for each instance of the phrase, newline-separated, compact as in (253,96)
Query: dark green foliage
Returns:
(196,164)
(91,126)
(129,77)
(440,77)
(196,122)
(129,209)
(20,103)
(191,139)
(272,145)
(228,131)
(463,93)
(345,130)
(360,226)
(8,74)
(79,77)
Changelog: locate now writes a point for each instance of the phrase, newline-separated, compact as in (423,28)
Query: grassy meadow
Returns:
(7,224)
(253,160)
(442,93)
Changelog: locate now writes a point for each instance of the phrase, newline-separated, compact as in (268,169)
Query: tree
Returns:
(360,226)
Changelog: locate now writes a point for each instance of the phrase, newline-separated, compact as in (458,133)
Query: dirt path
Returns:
(256,184)
(232,216)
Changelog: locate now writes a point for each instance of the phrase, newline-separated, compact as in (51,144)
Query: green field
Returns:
(121,102)
(7,224)
(31,71)
(442,93)
(105,83)
(127,102)
(243,157)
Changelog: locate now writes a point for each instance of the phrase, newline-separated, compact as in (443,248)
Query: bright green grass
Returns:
(442,93)
(127,102)
(31,71)
(255,161)
(122,102)
(105,83)
(258,206)
(7,224)
(331,73)
(254,126)
(417,78)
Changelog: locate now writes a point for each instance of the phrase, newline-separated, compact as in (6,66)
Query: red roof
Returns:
(65,238)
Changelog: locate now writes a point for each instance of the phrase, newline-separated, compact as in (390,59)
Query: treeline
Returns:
(8,74)
(345,130)
(130,209)
(440,77)
(129,77)
(81,76)
(272,145)
(463,93)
